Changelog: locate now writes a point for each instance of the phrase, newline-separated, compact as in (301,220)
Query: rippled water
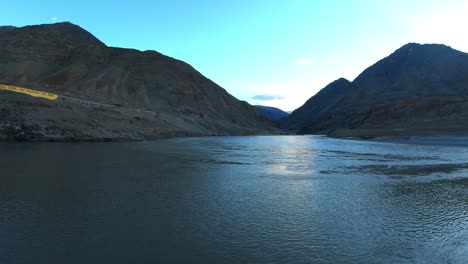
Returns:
(283,199)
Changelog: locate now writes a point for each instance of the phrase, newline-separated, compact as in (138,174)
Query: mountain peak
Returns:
(64,31)
(411,45)
(409,48)
(340,81)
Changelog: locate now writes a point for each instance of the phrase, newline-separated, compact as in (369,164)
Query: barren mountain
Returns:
(67,60)
(417,90)
(317,108)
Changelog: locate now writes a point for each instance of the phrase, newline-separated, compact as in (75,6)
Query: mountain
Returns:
(152,95)
(318,107)
(270,113)
(417,90)
(6,28)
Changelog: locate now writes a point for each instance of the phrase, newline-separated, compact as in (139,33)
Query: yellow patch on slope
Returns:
(35,93)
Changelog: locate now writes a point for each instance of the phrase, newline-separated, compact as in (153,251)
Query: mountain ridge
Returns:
(412,77)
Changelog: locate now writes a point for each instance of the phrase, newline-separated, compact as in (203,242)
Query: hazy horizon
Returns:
(268,53)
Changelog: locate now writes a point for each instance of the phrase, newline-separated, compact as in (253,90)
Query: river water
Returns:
(278,199)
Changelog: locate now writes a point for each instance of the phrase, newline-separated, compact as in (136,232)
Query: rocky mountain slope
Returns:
(417,90)
(67,60)
(318,107)
(6,28)
(272,114)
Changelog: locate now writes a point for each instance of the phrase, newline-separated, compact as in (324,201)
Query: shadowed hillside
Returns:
(417,90)
(272,114)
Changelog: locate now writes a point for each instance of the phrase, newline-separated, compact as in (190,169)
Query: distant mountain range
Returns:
(170,97)
(272,114)
(417,90)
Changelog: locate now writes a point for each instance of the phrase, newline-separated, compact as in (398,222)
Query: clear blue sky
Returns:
(280,52)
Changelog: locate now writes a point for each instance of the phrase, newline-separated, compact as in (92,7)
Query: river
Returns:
(264,199)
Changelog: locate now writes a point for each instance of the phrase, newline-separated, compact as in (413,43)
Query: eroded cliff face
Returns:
(417,90)
(67,60)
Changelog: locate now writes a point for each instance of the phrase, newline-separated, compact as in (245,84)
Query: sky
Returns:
(270,52)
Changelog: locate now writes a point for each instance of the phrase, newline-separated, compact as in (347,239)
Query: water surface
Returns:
(280,199)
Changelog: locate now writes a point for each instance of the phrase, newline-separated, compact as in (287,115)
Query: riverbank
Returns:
(26,118)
